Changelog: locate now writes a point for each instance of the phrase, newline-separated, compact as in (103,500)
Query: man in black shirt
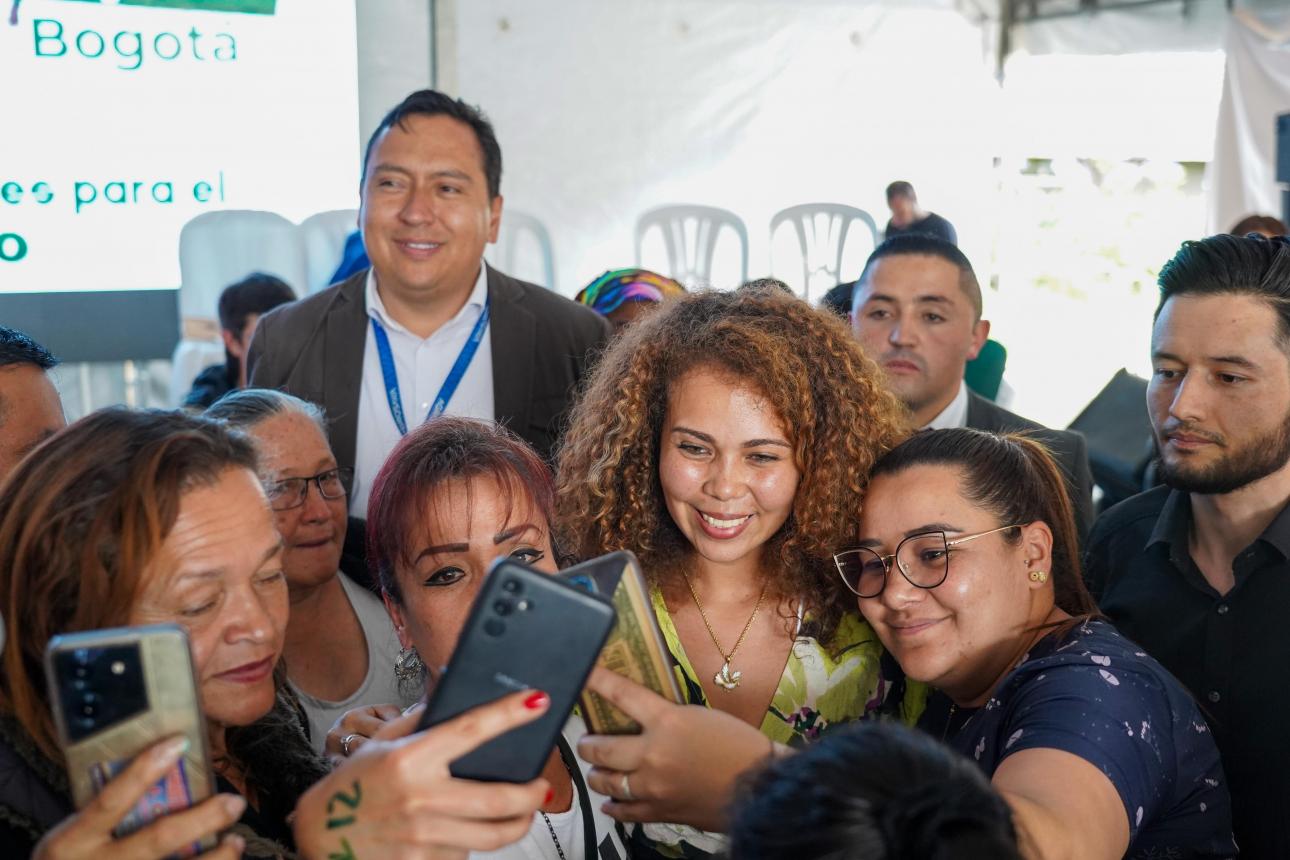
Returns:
(908,217)
(1198,571)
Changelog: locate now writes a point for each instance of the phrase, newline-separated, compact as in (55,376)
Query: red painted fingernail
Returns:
(537,700)
(550,796)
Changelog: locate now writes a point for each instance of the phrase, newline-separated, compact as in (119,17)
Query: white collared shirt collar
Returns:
(955,414)
(471,310)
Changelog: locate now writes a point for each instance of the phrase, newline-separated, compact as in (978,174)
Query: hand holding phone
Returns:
(683,766)
(526,630)
(115,693)
(635,648)
(396,795)
(89,833)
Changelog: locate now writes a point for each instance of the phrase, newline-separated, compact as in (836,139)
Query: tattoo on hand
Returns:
(346,852)
(334,820)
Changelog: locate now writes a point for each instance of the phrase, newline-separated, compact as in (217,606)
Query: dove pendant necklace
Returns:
(727,679)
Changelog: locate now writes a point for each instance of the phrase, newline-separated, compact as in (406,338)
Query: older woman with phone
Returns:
(968,569)
(454,495)
(726,440)
(135,518)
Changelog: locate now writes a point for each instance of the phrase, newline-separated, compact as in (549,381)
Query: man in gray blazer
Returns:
(430,327)
(917,310)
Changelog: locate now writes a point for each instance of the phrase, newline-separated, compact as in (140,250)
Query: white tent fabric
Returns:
(608,108)
(1256,87)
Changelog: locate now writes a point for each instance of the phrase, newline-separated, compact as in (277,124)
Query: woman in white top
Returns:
(340,648)
(454,495)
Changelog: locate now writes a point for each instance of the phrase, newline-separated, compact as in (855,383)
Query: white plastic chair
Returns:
(822,231)
(218,248)
(322,238)
(690,235)
(524,249)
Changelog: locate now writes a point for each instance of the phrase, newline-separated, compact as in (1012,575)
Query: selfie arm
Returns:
(396,798)
(680,769)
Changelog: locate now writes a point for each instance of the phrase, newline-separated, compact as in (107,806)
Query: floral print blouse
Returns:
(822,688)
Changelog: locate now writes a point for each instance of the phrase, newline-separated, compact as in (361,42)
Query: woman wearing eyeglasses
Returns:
(340,649)
(968,570)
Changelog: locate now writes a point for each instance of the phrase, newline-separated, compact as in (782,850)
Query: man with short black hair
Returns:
(30,408)
(1198,571)
(917,310)
(907,217)
(241,305)
(429,328)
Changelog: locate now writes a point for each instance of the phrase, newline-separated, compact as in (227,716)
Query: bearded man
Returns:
(1198,571)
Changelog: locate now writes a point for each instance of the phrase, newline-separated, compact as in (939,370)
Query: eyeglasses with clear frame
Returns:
(291,492)
(923,559)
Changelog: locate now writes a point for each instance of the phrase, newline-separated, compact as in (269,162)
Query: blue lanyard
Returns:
(449,387)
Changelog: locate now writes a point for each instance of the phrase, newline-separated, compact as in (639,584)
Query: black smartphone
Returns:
(526,630)
(115,693)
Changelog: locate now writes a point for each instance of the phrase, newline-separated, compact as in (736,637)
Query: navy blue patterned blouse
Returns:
(1096,695)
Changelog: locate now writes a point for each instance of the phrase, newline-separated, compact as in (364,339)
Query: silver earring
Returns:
(407,666)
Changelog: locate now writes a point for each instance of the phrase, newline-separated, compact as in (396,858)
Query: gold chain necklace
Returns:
(727,679)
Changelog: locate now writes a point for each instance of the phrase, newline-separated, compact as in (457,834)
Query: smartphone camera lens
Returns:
(512,586)
(89,705)
(503,607)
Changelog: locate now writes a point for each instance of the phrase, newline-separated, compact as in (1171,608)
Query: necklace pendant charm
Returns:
(726,679)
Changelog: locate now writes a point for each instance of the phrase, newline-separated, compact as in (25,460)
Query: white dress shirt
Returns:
(954,415)
(422,365)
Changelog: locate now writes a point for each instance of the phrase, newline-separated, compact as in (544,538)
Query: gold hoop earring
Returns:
(1038,576)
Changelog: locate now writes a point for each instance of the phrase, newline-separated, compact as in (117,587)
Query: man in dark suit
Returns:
(917,311)
(430,327)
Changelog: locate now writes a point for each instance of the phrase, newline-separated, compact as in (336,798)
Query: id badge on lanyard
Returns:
(391,377)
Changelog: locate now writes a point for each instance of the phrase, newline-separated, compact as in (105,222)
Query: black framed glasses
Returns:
(291,492)
(923,559)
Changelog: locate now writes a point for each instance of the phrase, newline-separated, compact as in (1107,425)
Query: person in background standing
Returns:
(908,217)
(430,328)
(240,307)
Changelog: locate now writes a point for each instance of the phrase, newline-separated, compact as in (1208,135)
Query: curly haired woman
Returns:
(727,441)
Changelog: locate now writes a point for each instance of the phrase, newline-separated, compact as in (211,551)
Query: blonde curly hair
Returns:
(839,417)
